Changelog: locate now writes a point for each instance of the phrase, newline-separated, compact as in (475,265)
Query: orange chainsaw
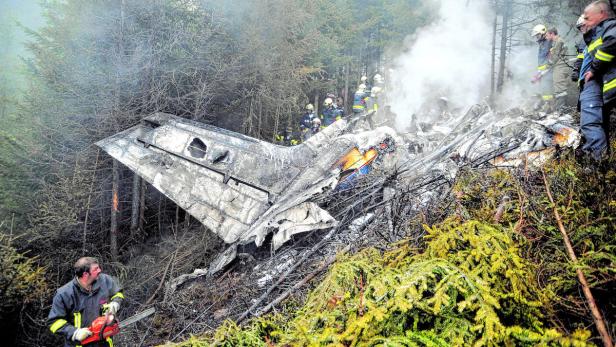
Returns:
(107,326)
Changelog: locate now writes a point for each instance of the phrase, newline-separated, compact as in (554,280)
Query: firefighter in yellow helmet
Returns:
(305,124)
(329,113)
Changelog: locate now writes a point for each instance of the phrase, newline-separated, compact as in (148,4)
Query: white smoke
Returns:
(521,65)
(450,57)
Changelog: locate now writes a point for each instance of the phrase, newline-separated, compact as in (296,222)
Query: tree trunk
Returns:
(113,241)
(141,205)
(345,92)
(159,214)
(134,216)
(85,222)
(115,210)
(503,46)
(493,62)
(317,107)
(176,224)
(186,220)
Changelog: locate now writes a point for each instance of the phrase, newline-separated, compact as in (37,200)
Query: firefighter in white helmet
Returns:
(315,128)
(359,99)
(538,30)
(543,74)
(372,103)
(378,79)
(580,48)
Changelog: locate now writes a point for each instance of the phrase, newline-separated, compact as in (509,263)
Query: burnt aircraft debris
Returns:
(243,188)
(511,138)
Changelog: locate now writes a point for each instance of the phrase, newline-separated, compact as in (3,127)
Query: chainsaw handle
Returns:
(98,328)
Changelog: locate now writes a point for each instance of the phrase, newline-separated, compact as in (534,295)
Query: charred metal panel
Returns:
(239,187)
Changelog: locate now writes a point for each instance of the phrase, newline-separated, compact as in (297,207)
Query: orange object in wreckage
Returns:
(355,160)
(354,163)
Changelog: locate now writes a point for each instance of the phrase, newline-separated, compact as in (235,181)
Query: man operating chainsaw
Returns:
(91,295)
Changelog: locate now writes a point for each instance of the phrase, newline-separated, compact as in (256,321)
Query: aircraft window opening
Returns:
(222,156)
(197,148)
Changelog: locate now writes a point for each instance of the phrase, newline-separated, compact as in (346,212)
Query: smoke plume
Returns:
(448,58)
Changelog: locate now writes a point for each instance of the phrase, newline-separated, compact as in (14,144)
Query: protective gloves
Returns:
(81,334)
(114,307)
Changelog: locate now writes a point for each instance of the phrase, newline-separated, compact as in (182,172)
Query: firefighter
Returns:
(305,123)
(339,107)
(372,103)
(78,303)
(364,81)
(315,127)
(579,51)
(286,138)
(379,81)
(557,63)
(329,114)
(580,48)
(598,95)
(543,75)
(331,96)
(359,102)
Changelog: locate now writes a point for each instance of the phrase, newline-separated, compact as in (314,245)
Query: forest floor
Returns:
(477,260)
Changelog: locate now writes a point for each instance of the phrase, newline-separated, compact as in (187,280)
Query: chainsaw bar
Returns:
(137,317)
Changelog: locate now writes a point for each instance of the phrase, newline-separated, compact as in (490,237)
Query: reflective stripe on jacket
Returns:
(543,54)
(359,104)
(602,49)
(306,121)
(580,48)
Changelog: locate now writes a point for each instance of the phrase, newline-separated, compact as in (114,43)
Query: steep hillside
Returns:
(492,271)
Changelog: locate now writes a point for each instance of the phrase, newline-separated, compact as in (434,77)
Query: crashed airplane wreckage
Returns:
(243,188)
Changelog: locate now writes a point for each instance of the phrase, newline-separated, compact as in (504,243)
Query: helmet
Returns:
(364,79)
(316,121)
(375,90)
(378,78)
(309,107)
(580,22)
(361,87)
(539,29)
(331,95)
(328,102)
(443,99)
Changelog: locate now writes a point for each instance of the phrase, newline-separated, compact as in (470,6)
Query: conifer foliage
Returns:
(469,287)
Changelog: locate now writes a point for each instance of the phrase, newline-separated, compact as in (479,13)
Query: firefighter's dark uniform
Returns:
(329,116)
(598,96)
(545,84)
(359,102)
(74,307)
(580,47)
